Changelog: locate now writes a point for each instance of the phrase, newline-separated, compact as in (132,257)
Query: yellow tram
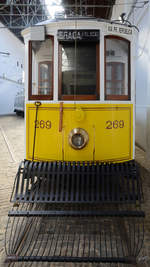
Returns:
(80,144)
(82,74)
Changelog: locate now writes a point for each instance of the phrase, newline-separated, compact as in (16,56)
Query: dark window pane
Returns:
(79,69)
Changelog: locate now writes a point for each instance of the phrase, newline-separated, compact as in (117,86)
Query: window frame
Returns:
(30,95)
(78,97)
(118,97)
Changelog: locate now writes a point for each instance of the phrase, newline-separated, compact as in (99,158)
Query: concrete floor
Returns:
(12,152)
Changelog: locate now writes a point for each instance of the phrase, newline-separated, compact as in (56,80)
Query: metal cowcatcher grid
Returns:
(75,212)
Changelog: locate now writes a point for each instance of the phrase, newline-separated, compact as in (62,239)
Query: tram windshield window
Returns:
(78,71)
(41,69)
(117,68)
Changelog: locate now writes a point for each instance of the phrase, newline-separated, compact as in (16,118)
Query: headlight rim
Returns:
(78,131)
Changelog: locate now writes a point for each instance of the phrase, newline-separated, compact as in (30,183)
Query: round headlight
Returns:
(78,138)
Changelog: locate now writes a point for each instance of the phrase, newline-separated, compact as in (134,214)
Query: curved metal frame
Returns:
(78,131)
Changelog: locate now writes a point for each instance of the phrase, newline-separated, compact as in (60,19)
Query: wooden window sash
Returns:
(78,97)
(40,97)
(117,97)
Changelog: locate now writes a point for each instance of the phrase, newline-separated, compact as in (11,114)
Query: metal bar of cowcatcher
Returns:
(75,212)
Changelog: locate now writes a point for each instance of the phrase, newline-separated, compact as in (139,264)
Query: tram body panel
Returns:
(109,128)
(114,136)
(48,141)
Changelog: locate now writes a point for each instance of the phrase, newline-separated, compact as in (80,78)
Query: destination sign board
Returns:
(119,29)
(80,35)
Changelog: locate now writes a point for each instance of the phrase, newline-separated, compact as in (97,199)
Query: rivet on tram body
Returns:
(79,114)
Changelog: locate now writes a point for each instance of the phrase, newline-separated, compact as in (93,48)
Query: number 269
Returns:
(43,124)
(114,124)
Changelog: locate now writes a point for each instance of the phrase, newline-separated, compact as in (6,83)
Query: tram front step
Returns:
(77,238)
(125,260)
(77,182)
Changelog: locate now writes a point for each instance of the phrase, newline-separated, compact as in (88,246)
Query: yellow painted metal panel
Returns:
(71,120)
(48,141)
(114,135)
(109,126)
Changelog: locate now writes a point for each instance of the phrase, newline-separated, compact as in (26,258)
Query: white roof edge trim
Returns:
(36,32)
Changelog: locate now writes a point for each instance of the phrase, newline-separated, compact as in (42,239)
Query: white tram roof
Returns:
(111,27)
